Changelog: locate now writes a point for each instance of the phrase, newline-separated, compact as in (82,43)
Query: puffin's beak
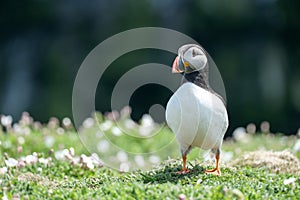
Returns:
(177,66)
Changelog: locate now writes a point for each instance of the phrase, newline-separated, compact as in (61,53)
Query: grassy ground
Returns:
(50,162)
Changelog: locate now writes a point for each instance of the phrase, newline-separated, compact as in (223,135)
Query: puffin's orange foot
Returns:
(184,171)
(215,171)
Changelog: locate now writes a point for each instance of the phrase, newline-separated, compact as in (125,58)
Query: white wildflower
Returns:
(154,159)
(3,170)
(31,159)
(26,119)
(90,165)
(265,127)
(60,131)
(289,181)
(6,120)
(49,141)
(116,131)
(145,131)
(67,154)
(87,161)
(21,140)
(147,125)
(147,120)
(59,155)
(103,146)
(122,156)
(72,151)
(130,124)
(96,160)
(43,161)
(21,164)
(113,115)
(75,160)
(240,135)
(11,162)
(125,112)
(140,161)
(84,158)
(53,123)
(251,128)
(88,123)
(105,126)
(181,197)
(124,167)
(67,122)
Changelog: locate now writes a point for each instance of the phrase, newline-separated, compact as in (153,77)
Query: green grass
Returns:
(62,179)
(64,182)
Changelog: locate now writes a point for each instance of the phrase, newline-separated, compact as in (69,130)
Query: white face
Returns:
(195,58)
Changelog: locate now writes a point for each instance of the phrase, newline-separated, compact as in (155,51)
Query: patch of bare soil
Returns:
(275,161)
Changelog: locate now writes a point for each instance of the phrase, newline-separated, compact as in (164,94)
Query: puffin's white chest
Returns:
(197,117)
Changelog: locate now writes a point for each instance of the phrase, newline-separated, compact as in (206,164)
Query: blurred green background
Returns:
(255,44)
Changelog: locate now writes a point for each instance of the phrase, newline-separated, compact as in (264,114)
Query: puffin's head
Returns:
(191,57)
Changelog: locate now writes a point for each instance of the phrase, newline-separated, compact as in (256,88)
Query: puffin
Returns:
(195,113)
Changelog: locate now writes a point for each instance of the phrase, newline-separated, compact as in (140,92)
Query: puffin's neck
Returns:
(199,78)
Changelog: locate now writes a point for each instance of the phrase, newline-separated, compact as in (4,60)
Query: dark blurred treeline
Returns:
(255,44)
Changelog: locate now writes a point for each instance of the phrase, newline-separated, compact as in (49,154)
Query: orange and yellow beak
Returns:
(175,65)
(179,66)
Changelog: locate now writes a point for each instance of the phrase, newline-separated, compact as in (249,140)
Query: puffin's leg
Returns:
(216,170)
(184,169)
